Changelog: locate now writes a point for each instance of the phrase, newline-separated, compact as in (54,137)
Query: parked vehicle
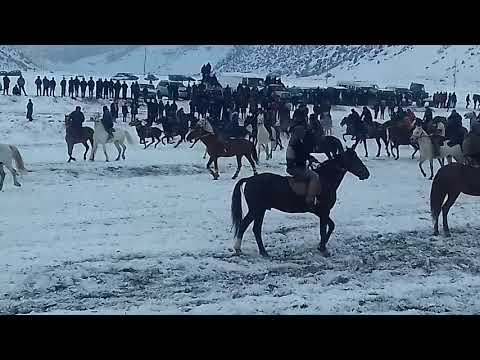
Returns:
(151,92)
(125,77)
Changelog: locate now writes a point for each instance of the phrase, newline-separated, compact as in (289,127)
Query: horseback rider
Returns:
(298,152)
(428,116)
(454,129)
(359,127)
(471,145)
(366,116)
(107,122)
(437,136)
(315,125)
(76,121)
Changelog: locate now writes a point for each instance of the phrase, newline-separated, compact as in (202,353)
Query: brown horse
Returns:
(451,181)
(266,191)
(400,133)
(216,149)
(375,130)
(72,137)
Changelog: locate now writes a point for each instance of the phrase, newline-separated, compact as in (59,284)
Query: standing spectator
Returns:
(83,87)
(91,86)
(21,85)
(376,108)
(29,110)
(124,90)
(124,111)
(53,84)
(468,100)
(111,86)
(38,82)
(6,84)
(70,87)
(114,111)
(116,87)
(99,88)
(454,100)
(63,86)
(161,107)
(46,85)
(133,110)
(106,86)
(76,85)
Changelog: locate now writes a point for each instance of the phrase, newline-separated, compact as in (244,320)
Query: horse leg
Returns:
(449,159)
(431,170)
(86,150)
(397,147)
(421,168)
(379,144)
(385,141)
(323,235)
(119,150)
(70,151)
(153,141)
(178,143)
(205,154)
(215,164)
(158,142)
(105,152)
(239,166)
(94,150)
(252,163)
(247,220)
(14,174)
(124,149)
(209,163)
(365,146)
(257,230)
(331,227)
(452,197)
(2,176)
(191,146)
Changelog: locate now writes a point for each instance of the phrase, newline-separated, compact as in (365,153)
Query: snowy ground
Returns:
(151,235)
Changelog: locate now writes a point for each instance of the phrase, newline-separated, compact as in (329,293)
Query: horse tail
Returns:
(254,154)
(18,158)
(236,207)
(437,195)
(129,138)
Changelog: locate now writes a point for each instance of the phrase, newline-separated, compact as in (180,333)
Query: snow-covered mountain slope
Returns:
(160,59)
(381,63)
(13,59)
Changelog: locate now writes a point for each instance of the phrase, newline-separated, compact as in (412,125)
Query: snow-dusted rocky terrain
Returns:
(151,234)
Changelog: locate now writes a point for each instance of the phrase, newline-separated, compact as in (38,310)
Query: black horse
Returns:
(375,130)
(266,191)
(321,144)
(175,127)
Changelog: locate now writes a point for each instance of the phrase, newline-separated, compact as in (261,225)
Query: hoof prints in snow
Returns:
(406,272)
(127,172)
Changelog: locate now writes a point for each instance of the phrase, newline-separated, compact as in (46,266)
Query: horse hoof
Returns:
(435,233)
(17,185)
(264,254)
(325,253)
(447,234)
(238,252)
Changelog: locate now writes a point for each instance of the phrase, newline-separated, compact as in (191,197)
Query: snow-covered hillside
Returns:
(384,64)
(13,59)
(160,59)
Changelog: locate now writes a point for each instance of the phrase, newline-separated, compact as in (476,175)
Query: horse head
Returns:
(196,133)
(350,162)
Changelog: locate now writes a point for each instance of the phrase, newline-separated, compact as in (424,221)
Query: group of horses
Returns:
(265,191)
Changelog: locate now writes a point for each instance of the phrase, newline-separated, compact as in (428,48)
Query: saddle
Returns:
(299,186)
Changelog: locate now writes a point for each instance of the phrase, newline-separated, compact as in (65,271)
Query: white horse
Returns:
(100,136)
(8,153)
(263,138)
(426,150)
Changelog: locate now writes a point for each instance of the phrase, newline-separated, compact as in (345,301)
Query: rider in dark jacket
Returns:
(366,116)
(77,118)
(107,122)
(298,152)
(454,129)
